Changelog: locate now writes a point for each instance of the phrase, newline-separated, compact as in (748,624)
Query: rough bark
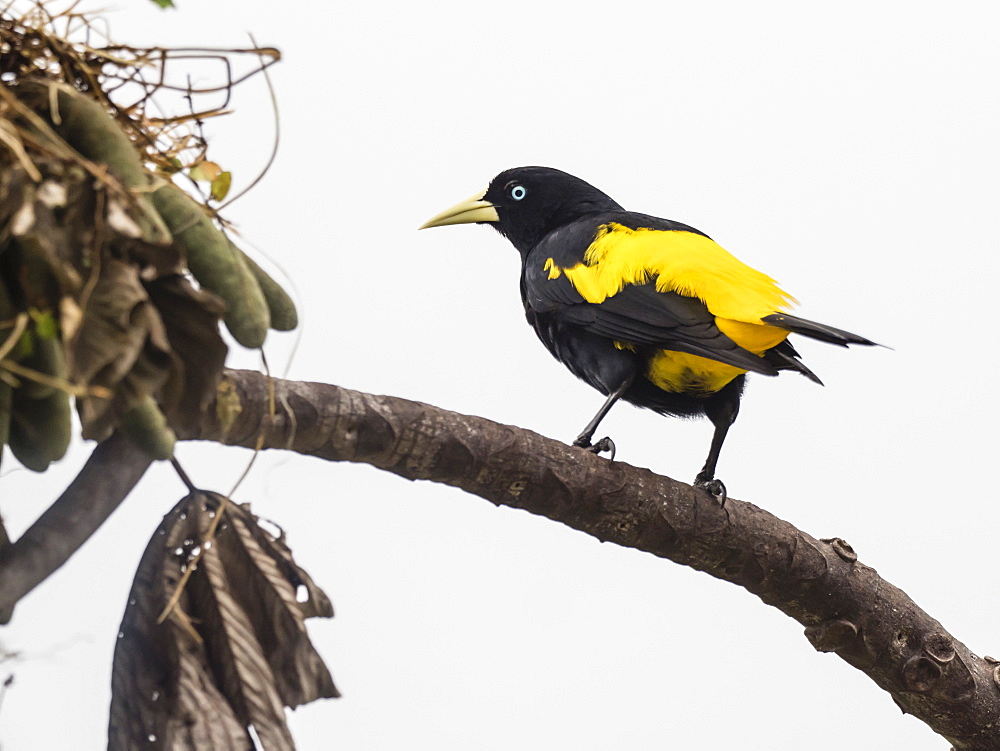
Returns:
(846,607)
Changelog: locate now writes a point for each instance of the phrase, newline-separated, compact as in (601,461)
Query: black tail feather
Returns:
(784,357)
(816,330)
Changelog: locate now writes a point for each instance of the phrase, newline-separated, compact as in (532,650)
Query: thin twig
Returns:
(170,609)
(10,138)
(20,325)
(182,474)
(61,384)
(277,132)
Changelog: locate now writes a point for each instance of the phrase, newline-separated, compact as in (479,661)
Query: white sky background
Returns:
(851,152)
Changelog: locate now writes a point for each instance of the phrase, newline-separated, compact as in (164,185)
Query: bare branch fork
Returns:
(846,607)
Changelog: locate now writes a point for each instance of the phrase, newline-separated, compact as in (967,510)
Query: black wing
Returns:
(641,315)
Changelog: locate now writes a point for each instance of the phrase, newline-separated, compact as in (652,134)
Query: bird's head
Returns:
(525,203)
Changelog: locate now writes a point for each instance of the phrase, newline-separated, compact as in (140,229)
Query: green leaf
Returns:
(220,185)
(164,3)
(46,325)
(205,170)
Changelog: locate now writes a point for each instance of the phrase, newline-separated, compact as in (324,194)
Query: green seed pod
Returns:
(48,358)
(148,429)
(216,264)
(40,429)
(90,129)
(279,303)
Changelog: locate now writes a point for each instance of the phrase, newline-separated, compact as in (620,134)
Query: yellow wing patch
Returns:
(683,262)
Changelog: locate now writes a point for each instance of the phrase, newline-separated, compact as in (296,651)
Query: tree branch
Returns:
(845,606)
(110,473)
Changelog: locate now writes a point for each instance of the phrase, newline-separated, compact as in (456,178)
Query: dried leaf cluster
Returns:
(113,283)
(99,251)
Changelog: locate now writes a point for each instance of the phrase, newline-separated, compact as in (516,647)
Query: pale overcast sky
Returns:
(849,150)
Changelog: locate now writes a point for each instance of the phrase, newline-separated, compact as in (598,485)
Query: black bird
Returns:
(643,309)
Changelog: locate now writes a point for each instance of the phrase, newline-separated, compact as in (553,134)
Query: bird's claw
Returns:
(605,444)
(715,488)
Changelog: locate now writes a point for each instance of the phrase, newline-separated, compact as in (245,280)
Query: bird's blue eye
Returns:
(518,192)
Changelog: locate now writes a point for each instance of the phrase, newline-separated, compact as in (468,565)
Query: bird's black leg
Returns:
(605,444)
(721,410)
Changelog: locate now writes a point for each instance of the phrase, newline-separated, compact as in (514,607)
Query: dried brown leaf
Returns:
(272,583)
(191,318)
(240,666)
(121,345)
(163,691)
(233,651)
(52,218)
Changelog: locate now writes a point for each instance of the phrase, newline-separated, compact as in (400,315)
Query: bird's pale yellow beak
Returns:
(472,209)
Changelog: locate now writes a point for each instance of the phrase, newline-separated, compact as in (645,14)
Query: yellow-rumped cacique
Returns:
(644,309)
